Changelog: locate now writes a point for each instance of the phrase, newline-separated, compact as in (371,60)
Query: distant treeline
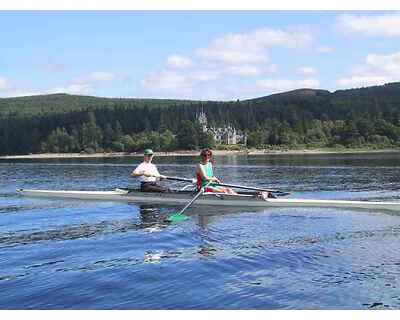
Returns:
(366,117)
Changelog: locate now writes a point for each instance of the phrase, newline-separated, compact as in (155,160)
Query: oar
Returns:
(250,188)
(281,193)
(229,185)
(180,179)
(179,216)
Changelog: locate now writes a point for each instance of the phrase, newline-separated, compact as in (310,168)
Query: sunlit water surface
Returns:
(68,254)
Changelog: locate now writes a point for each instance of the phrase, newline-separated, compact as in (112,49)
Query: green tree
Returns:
(58,141)
(129,143)
(154,141)
(118,133)
(167,140)
(255,139)
(187,136)
(108,136)
(206,140)
(91,134)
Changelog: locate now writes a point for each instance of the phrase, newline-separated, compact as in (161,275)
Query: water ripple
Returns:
(81,255)
(17,238)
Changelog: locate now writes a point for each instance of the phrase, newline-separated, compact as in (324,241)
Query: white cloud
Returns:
(74,88)
(71,89)
(97,76)
(309,83)
(252,47)
(173,81)
(4,83)
(14,91)
(377,69)
(279,85)
(82,85)
(325,49)
(178,62)
(223,67)
(371,25)
(387,64)
(166,81)
(306,71)
(266,87)
(362,81)
(204,75)
(251,70)
(231,57)
(86,84)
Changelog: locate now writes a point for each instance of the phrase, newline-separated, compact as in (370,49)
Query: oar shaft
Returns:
(194,199)
(247,188)
(230,185)
(179,179)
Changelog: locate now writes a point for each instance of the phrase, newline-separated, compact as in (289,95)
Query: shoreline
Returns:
(252,152)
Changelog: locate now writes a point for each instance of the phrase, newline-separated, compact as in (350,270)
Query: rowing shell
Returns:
(207,199)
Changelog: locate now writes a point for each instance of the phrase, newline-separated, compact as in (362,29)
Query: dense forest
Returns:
(305,118)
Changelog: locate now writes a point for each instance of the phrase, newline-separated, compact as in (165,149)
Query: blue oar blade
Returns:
(177,217)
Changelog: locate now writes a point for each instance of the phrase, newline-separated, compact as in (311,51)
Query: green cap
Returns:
(148,152)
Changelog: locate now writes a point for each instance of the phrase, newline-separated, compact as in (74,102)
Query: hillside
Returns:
(61,103)
(365,117)
(292,95)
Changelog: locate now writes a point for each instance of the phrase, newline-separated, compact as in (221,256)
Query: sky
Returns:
(207,55)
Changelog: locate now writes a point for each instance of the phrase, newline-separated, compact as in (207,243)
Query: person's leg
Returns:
(266,195)
(211,189)
(221,190)
(153,187)
(229,191)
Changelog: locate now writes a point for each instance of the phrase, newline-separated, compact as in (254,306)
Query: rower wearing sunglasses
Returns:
(205,174)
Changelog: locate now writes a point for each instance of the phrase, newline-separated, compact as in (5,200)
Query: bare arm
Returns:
(158,175)
(139,172)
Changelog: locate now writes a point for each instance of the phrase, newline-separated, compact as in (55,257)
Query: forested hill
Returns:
(365,117)
(61,103)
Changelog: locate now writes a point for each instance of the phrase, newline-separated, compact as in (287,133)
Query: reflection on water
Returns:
(65,254)
(150,219)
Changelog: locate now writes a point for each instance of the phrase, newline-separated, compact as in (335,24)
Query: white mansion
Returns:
(222,135)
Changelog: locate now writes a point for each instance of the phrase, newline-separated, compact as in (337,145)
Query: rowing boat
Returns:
(208,199)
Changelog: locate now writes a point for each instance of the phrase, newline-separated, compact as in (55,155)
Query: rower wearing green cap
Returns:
(149,174)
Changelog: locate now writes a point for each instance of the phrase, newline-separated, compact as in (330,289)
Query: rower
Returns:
(149,174)
(205,174)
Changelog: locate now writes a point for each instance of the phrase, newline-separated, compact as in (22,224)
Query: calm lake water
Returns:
(68,254)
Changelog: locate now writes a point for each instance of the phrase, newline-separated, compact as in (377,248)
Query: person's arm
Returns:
(139,171)
(136,173)
(158,175)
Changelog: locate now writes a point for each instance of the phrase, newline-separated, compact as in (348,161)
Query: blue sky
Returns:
(195,55)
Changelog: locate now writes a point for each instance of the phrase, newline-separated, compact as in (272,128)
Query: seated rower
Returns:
(149,174)
(205,174)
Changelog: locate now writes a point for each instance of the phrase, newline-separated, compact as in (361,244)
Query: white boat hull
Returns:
(208,199)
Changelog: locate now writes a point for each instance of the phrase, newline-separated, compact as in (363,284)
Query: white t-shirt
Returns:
(148,168)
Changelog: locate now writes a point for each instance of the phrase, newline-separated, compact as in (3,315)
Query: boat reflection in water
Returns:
(152,218)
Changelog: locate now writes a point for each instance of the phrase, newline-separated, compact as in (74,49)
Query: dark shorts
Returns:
(153,187)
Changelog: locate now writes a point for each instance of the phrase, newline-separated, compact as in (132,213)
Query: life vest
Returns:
(208,170)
